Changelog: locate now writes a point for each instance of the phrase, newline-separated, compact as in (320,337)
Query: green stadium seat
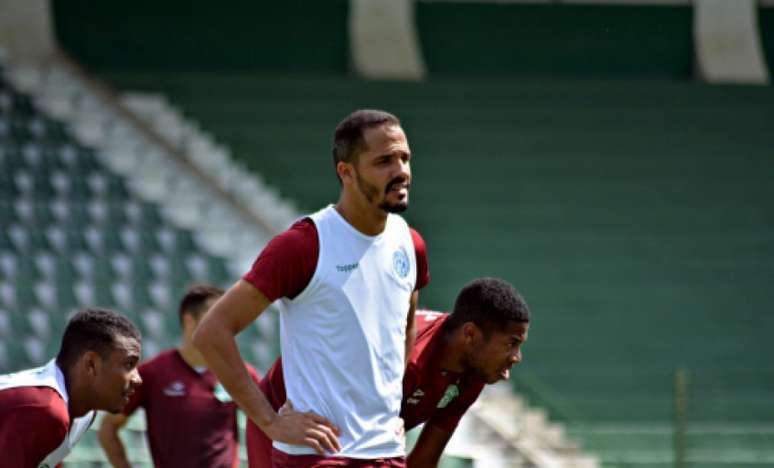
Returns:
(142,215)
(69,214)
(139,241)
(94,292)
(67,240)
(33,212)
(6,326)
(17,268)
(33,184)
(54,294)
(73,187)
(6,242)
(27,239)
(115,217)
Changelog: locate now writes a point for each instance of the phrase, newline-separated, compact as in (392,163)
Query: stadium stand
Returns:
(635,214)
(74,234)
(623,209)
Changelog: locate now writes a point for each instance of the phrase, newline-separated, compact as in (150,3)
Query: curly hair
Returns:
(93,329)
(489,303)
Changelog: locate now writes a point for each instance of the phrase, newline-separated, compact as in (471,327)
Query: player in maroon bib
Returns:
(191,419)
(453,357)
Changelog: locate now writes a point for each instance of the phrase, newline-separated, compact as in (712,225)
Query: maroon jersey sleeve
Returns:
(33,423)
(448,418)
(257,442)
(423,267)
(285,267)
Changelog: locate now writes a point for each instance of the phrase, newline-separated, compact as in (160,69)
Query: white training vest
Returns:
(51,376)
(343,338)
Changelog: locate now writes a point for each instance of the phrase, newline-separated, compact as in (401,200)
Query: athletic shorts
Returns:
(283,460)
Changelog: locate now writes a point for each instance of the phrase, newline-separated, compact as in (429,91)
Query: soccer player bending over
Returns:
(45,411)
(454,356)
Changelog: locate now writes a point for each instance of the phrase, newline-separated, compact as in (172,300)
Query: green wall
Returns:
(205,35)
(457,39)
(575,40)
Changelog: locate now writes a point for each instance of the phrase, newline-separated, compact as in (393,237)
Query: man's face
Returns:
(116,375)
(491,357)
(383,170)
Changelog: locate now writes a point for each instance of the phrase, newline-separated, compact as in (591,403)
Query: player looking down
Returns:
(454,356)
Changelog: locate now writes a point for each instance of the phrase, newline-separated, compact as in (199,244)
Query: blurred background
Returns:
(612,159)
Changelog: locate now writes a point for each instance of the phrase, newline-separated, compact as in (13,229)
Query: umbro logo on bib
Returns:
(415,397)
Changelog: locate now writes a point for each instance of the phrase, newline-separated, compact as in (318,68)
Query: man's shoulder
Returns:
(428,325)
(301,234)
(428,322)
(40,404)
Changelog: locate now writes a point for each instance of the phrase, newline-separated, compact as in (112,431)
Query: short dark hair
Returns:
(489,303)
(195,299)
(348,136)
(93,329)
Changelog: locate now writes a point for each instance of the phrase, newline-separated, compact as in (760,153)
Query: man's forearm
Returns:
(219,349)
(411,329)
(429,447)
(114,448)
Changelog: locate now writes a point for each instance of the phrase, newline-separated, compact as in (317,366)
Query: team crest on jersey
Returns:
(176,388)
(221,394)
(452,391)
(400,262)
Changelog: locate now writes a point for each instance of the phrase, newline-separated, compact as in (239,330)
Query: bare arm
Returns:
(214,337)
(427,452)
(111,442)
(411,329)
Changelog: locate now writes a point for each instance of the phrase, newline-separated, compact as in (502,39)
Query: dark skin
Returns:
(468,349)
(96,382)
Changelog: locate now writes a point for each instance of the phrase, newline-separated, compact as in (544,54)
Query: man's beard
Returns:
(370,191)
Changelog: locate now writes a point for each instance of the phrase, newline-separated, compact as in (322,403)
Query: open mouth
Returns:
(505,373)
(397,186)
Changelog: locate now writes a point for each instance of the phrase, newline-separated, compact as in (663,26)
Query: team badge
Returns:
(452,391)
(400,262)
(175,389)
(221,394)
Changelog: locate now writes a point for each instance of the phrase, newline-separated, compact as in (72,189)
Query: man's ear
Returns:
(471,333)
(189,322)
(345,171)
(90,363)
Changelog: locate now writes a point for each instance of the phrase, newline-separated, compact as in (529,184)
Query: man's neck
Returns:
(76,406)
(190,355)
(366,219)
(452,355)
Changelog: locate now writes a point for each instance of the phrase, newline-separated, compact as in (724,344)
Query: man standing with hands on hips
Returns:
(347,280)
